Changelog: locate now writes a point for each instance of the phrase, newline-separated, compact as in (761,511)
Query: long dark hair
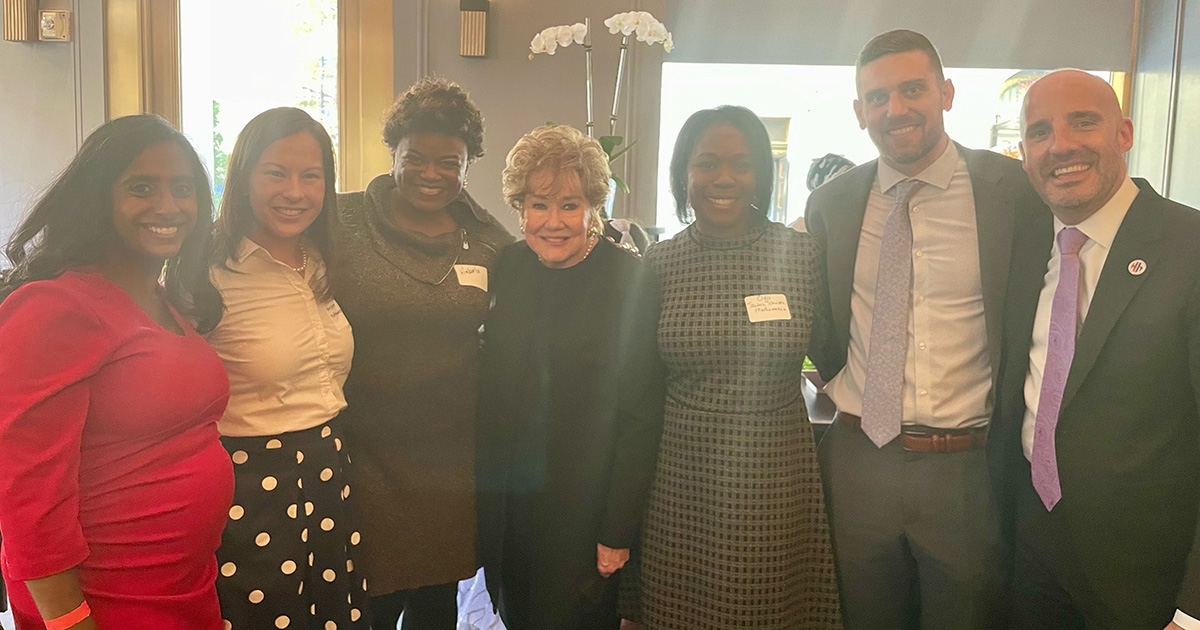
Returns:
(236,219)
(71,225)
(757,139)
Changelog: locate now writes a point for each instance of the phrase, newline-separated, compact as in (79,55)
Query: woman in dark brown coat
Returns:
(414,250)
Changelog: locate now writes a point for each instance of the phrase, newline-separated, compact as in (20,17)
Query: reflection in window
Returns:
(808,111)
(241,57)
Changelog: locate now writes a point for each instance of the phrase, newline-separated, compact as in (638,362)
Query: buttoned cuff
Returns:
(1186,621)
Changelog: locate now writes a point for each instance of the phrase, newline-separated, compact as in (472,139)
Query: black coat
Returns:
(1128,437)
(570,415)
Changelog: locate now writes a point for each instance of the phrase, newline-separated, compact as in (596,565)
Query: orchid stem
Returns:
(587,53)
(612,120)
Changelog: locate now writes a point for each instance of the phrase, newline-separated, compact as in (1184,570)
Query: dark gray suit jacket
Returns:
(1128,436)
(835,216)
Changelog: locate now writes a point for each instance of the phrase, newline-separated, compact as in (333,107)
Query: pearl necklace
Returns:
(594,238)
(303,262)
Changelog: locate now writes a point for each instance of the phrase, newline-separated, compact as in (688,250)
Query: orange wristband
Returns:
(69,619)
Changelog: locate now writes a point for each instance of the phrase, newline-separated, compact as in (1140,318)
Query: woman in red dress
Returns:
(114,487)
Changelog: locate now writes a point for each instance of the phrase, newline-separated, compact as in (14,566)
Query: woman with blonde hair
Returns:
(570,406)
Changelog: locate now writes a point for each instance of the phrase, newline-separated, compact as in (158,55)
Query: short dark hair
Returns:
(71,225)
(236,218)
(899,41)
(757,139)
(435,105)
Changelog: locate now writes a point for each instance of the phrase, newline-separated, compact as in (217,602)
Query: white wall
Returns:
(51,96)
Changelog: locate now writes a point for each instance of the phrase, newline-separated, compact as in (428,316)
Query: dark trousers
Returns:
(433,607)
(1050,591)
(1039,600)
(916,536)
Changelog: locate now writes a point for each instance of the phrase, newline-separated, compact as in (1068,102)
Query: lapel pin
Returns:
(1137,267)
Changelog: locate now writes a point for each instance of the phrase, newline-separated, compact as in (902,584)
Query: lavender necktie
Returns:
(883,392)
(1060,349)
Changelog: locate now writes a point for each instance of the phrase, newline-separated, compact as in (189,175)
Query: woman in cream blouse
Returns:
(288,554)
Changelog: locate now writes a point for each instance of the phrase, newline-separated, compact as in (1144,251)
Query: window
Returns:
(241,57)
(808,112)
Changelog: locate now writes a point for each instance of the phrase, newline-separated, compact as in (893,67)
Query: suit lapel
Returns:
(994,220)
(1117,285)
(844,227)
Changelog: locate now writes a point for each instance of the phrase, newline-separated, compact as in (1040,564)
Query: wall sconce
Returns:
(20,20)
(472,29)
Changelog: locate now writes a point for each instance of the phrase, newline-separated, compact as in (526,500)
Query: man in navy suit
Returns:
(1100,378)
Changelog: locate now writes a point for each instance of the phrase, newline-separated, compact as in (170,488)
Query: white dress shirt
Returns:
(947,374)
(1100,228)
(286,353)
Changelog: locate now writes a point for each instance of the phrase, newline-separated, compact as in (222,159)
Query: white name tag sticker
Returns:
(770,307)
(472,276)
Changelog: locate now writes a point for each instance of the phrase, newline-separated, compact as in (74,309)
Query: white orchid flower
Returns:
(624,23)
(551,38)
(615,23)
(563,35)
(668,44)
(538,45)
(656,34)
(643,30)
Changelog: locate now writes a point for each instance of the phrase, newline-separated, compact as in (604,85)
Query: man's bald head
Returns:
(1097,89)
(1073,142)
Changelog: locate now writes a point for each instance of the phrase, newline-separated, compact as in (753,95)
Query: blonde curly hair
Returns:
(561,148)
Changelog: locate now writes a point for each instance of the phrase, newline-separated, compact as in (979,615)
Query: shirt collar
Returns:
(1102,226)
(245,248)
(938,174)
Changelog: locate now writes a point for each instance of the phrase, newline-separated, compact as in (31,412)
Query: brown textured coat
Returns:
(410,423)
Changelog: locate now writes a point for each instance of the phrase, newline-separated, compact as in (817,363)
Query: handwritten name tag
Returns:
(770,307)
(472,276)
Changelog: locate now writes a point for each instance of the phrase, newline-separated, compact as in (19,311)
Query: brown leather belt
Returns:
(929,440)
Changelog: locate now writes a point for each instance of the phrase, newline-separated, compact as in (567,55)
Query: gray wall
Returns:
(51,96)
(517,94)
(1166,93)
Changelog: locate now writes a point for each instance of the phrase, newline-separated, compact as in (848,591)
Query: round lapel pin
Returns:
(1137,267)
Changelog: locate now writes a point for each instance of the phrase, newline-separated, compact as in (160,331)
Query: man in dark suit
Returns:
(1101,377)
(917,251)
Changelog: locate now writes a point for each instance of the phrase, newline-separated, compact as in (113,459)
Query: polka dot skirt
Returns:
(287,558)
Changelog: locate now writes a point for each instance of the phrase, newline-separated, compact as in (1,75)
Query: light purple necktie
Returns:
(1060,350)
(883,392)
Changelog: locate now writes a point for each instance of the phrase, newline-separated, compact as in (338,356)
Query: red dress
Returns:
(109,456)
